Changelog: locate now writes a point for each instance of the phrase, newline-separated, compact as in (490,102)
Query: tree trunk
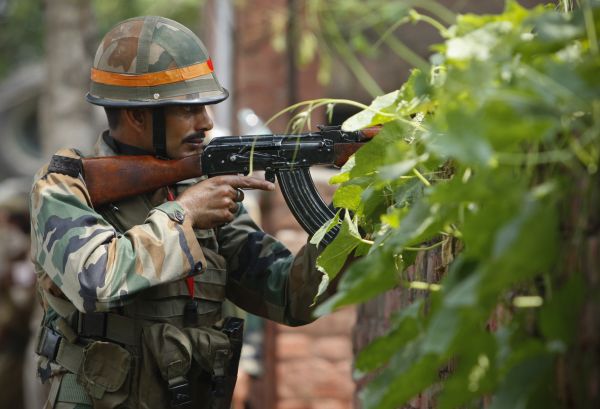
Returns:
(66,119)
(578,372)
(373,317)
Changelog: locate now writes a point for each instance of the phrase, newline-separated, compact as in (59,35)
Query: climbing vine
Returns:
(495,145)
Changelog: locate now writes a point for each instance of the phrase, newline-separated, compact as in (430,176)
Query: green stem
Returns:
(390,30)
(590,28)
(406,53)
(421,177)
(359,71)
(433,246)
(317,103)
(438,9)
(299,104)
(416,17)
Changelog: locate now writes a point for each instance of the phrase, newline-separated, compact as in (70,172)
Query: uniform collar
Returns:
(121,148)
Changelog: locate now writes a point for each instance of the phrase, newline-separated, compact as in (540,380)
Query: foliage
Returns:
(22,23)
(483,147)
(338,31)
(21,39)
(186,12)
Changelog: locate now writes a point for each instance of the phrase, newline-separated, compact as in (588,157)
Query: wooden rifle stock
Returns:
(113,178)
(343,151)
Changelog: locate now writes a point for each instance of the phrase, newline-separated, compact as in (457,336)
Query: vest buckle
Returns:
(181,397)
(48,343)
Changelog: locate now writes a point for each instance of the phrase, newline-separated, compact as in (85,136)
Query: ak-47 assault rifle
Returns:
(287,157)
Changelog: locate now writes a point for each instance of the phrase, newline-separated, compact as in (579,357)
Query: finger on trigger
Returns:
(255,183)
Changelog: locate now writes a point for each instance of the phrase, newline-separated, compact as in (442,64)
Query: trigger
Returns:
(270,175)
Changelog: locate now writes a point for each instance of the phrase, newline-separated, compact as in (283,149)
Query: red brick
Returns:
(333,348)
(328,382)
(294,404)
(345,368)
(338,323)
(332,404)
(293,346)
(312,379)
(294,379)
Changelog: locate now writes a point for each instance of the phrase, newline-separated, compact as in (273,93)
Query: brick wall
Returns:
(306,367)
(262,75)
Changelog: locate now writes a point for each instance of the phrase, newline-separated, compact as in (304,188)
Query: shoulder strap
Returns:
(65,165)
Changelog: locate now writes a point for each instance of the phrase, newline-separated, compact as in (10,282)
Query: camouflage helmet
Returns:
(153,61)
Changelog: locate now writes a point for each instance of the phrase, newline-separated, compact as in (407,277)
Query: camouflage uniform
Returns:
(129,260)
(123,334)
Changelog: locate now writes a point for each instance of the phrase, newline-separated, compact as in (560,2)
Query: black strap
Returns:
(65,165)
(159,137)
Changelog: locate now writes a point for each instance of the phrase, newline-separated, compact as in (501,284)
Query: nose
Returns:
(203,121)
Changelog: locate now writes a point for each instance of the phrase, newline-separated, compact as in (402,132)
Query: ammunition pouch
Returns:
(101,369)
(198,366)
(104,372)
(180,368)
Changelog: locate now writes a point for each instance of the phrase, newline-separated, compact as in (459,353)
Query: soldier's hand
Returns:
(214,201)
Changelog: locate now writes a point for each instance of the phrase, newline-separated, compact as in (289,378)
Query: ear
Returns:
(138,119)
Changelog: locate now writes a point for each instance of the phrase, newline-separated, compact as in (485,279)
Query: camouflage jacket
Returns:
(101,264)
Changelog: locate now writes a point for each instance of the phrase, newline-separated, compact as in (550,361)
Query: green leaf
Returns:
(441,333)
(401,380)
(465,293)
(405,327)
(348,197)
(478,44)
(520,383)
(326,228)
(555,27)
(415,95)
(462,139)
(344,174)
(513,13)
(473,371)
(398,169)
(421,223)
(364,279)
(372,155)
(333,258)
(383,104)
(323,285)
(526,245)
(559,315)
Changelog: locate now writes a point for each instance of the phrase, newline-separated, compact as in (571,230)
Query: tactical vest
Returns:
(160,350)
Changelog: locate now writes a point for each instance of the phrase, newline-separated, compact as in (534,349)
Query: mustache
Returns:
(195,136)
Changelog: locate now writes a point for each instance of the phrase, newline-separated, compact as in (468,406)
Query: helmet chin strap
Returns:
(159,134)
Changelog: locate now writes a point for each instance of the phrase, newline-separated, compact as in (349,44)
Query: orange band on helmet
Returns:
(153,78)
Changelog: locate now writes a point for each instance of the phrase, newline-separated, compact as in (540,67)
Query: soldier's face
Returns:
(185,128)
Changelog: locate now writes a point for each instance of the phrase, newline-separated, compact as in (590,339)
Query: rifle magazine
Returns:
(305,202)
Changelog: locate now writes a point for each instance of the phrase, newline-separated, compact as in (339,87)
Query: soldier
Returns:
(133,291)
